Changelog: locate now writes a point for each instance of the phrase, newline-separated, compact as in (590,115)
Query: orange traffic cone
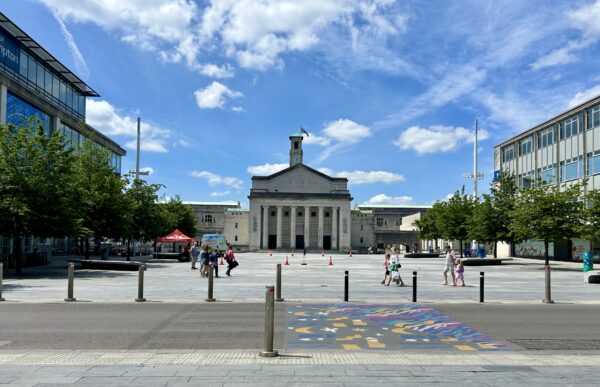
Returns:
(286,261)
(350,252)
(221,262)
(292,253)
(322,253)
(330,261)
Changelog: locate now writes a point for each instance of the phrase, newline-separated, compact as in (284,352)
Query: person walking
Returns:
(204,258)
(460,270)
(214,261)
(194,253)
(231,262)
(449,266)
(396,259)
(386,265)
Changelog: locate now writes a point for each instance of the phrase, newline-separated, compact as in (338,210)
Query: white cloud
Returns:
(346,131)
(214,96)
(366,177)
(562,55)
(238,109)
(518,111)
(436,138)
(150,170)
(587,18)
(395,200)
(266,169)
(102,116)
(219,194)
(584,96)
(212,70)
(80,64)
(314,139)
(214,179)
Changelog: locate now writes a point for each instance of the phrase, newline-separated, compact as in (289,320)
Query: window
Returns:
(236,226)
(571,169)
(273,213)
(55,87)
(313,214)
(299,214)
(286,213)
(526,180)
(19,111)
(570,127)
(295,144)
(546,137)
(508,154)
(361,240)
(327,214)
(526,146)
(593,117)
(593,163)
(48,82)
(40,77)
(548,174)
(23,64)
(31,70)
(380,221)
(361,227)
(208,218)
(235,238)
(62,95)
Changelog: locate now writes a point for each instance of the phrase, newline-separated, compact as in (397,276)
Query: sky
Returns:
(388,90)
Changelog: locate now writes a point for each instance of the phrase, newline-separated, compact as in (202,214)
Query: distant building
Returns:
(562,150)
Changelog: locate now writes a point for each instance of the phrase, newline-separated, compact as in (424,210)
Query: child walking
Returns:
(386,265)
(460,269)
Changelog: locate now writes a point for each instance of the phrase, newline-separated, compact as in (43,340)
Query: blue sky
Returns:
(388,90)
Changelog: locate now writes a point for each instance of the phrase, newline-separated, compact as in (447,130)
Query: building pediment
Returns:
(299,179)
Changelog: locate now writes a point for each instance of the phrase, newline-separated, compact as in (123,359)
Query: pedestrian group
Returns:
(210,259)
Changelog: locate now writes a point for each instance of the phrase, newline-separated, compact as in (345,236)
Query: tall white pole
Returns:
(475,172)
(137,157)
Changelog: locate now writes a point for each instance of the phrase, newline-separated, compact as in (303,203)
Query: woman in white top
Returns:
(449,266)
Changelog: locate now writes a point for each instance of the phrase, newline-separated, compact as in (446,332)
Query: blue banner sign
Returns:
(497,175)
(9,51)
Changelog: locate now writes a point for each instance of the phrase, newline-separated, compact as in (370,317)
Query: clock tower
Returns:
(295,149)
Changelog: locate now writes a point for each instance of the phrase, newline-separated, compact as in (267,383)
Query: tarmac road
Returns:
(222,326)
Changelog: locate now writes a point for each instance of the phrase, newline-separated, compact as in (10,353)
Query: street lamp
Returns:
(137,156)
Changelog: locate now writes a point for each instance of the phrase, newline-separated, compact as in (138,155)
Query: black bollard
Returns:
(210,284)
(481,285)
(140,297)
(1,274)
(414,286)
(547,286)
(346,284)
(269,323)
(278,284)
(70,279)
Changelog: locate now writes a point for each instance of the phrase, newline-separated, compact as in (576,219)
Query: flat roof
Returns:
(228,204)
(27,41)
(552,120)
(398,206)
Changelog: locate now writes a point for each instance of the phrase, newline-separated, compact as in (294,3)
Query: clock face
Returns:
(296,159)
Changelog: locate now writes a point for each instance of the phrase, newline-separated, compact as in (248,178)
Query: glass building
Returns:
(35,84)
(563,150)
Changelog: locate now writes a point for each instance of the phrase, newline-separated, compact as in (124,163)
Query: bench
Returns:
(92,264)
(483,261)
(591,277)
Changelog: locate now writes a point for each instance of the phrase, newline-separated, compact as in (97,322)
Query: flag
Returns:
(304,132)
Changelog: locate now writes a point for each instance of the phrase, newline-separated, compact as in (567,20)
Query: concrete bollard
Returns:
(70,279)
(210,284)
(481,285)
(414,296)
(547,298)
(1,275)
(140,297)
(346,284)
(269,323)
(278,284)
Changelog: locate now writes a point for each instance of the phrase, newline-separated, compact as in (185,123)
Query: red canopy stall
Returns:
(174,237)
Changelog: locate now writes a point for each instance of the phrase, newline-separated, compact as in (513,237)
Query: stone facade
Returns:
(237,226)
(210,217)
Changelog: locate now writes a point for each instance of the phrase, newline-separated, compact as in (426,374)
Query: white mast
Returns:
(475,172)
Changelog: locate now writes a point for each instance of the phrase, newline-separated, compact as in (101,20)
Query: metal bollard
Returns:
(140,297)
(278,284)
(269,323)
(1,274)
(346,284)
(210,284)
(414,286)
(71,277)
(547,299)
(481,285)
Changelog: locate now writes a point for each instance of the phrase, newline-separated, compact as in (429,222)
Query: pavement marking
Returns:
(380,327)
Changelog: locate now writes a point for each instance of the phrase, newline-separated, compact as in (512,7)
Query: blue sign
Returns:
(497,175)
(10,52)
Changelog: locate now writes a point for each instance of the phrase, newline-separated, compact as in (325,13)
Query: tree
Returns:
(429,224)
(455,214)
(101,195)
(178,215)
(483,225)
(37,188)
(544,212)
(590,225)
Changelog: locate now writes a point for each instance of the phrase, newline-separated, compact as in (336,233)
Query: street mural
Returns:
(356,327)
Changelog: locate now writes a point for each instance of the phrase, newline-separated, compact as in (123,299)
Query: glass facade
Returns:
(526,146)
(548,174)
(508,154)
(571,169)
(19,111)
(593,164)
(593,117)
(73,139)
(546,137)
(570,127)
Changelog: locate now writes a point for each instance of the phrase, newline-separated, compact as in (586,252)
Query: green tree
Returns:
(483,225)
(429,224)
(101,195)
(590,226)
(37,188)
(178,215)
(546,213)
(454,217)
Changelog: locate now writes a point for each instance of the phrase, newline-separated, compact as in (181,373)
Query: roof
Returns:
(398,206)
(552,120)
(296,135)
(48,59)
(283,171)
(228,204)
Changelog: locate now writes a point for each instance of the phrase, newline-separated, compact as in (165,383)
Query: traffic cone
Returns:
(322,253)
(286,261)
(221,262)
(292,253)
(350,253)
(330,261)
(270,253)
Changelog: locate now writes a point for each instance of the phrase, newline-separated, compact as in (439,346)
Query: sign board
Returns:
(10,52)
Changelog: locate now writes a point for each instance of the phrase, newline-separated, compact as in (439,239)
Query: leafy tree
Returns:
(455,215)
(178,215)
(37,188)
(101,195)
(483,225)
(429,224)
(590,226)
(544,212)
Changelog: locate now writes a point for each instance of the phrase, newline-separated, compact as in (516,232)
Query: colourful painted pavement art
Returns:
(355,327)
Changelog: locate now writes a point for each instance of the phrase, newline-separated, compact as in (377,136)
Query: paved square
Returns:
(355,327)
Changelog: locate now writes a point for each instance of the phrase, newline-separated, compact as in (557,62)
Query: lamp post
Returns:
(137,167)
(476,175)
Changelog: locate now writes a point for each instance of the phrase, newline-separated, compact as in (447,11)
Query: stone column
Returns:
(306,227)
(293,227)
(265,227)
(3,91)
(279,226)
(320,231)
(334,228)
(255,226)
